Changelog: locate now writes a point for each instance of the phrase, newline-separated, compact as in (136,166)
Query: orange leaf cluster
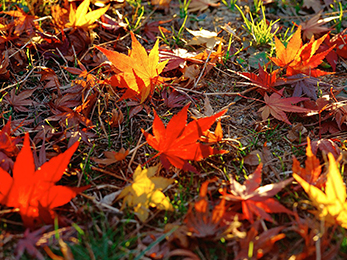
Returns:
(298,58)
(139,72)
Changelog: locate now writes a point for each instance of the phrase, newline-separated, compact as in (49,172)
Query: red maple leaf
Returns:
(7,142)
(256,199)
(34,191)
(178,143)
(265,80)
(275,105)
(339,45)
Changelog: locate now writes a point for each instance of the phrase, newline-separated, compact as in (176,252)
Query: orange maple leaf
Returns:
(23,22)
(256,199)
(178,142)
(34,191)
(298,58)
(139,72)
(312,169)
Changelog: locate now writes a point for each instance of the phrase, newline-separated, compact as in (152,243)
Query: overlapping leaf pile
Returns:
(107,132)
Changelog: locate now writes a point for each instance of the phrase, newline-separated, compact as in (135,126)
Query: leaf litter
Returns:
(162,184)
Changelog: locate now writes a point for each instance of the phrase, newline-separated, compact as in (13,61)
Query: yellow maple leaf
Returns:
(331,205)
(80,18)
(145,192)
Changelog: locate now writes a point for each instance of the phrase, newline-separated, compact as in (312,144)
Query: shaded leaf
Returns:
(256,199)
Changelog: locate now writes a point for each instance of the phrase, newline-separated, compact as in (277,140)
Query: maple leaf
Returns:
(154,27)
(215,137)
(285,56)
(261,243)
(22,99)
(23,22)
(265,80)
(312,169)
(28,243)
(331,204)
(145,192)
(80,18)
(338,43)
(7,142)
(298,58)
(177,143)
(275,105)
(34,191)
(210,225)
(172,98)
(256,199)
(137,68)
(202,5)
(304,84)
(314,26)
(112,157)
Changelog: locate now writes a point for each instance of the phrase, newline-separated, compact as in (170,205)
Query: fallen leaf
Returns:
(256,199)
(204,37)
(8,143)
(34,191)
(154,27)
(312,169)
(137,68)
(177,143)
(339,45)
(80,18)
(146,192)
(255,245)
(298,58)
(112,157)
(20,101)
(201,5)
(331,205)
(314,26)
(315,5)
(28,243)
(266,81)
(213,137)
(173,98)
(276,106)
(203,223)
(23,22)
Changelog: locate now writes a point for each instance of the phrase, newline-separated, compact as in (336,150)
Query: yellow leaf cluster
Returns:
(145,192)
(331,205)
(80,18)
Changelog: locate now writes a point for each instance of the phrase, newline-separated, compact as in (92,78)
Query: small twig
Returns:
(203,69)
(19,82)
(107,172)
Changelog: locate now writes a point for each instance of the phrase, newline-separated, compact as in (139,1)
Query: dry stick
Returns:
(108,173)
(135,150)
(19,82)
(203,69)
